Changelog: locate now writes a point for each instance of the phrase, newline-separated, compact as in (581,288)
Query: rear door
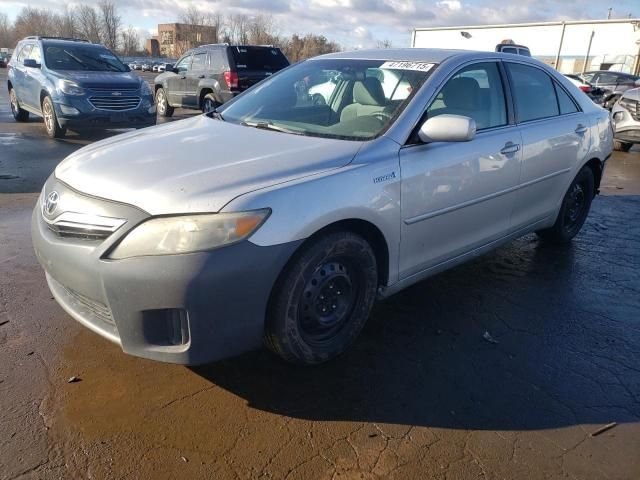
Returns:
(196,72)
(555,136)
(458,196)
(253,64)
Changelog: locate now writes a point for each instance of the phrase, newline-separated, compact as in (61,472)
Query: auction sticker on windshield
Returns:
(419,66)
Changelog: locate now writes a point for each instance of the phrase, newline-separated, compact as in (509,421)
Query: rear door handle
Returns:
(510,147)
(200,76)
(581,128)
(183,77)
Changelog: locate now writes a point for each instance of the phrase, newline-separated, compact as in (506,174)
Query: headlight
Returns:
(144,88)
(188,233)
(69,87)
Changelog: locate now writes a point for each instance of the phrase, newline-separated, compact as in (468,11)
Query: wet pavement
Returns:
(500,368)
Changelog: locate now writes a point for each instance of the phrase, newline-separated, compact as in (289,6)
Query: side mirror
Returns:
(168,67)
(175,70)
(31,63)
(448,128)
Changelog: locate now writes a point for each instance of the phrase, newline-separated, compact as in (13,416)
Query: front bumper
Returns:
(86,116)
(215,301)
(627,128)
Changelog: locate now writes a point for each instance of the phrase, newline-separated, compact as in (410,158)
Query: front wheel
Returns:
(51,125)
(323,299)
(622,146)
(162,104)
(574,210)
(19,114)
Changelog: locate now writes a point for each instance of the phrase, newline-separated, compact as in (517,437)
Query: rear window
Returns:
(259,58)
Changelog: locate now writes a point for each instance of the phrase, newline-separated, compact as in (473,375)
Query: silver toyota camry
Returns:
(282,217)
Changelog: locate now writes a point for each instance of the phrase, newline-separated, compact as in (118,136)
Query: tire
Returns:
(19,114)
(51,125)
(162,104)
(622,146)
(322,299)
(209,103)
(574,210)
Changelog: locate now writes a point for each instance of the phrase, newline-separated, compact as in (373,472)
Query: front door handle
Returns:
(183,77)
(200,76)
(510,147)
(580,128)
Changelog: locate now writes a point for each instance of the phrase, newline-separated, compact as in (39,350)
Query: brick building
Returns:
(174,39)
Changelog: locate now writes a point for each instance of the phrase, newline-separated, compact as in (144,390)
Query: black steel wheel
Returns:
(322,299)
(574,210)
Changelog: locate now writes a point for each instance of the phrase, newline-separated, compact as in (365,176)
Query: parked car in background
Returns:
(164,67)
(278,220)
(614,83)
(3,62)
(594,93)
(509,47)
(154,67)
(76,84)
(626,120)
(208,76)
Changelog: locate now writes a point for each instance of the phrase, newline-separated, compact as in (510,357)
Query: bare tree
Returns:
(35,21)
(7,34)
(298,48)
(66,24)
(130,41)
(111,23)
(88,23)
(386,43)
(237,29)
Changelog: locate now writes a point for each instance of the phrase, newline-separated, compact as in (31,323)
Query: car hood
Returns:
(100,79)
(197,165)
(632,94)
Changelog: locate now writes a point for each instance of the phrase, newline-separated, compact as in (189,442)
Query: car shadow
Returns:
(511,341)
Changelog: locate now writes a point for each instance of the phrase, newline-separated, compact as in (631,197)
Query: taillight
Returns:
(585,88)
(232,79)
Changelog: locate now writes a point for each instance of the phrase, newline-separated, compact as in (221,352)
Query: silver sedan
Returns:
(281,217)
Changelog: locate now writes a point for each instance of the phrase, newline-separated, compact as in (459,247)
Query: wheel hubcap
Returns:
(208,106)
(574,204)
(327,301)
(161,105)
(14,102)
(48,116)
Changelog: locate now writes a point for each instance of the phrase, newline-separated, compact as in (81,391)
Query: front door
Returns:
(458,196)
(194,75)
(176,82)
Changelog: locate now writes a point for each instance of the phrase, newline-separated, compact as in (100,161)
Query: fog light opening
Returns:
(67,110)
(178,326)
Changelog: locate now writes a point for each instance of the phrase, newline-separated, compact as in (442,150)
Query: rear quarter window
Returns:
(259,58)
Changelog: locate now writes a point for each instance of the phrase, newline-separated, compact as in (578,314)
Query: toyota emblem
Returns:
(51,203)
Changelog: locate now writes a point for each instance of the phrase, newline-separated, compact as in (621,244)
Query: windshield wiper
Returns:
(271,126)
(215,114)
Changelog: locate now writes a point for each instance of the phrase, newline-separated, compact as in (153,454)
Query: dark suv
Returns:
(208,76)
(614,84)
(76,84)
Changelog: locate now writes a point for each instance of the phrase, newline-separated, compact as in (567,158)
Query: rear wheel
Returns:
(574,210)
(622,146)
(323,299)
(209,103)
(19,114)
(162,104)
(54,130)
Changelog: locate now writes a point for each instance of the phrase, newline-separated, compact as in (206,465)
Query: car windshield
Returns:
(333,98)
(81,57)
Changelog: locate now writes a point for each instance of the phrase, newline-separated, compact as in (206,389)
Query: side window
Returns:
(35,54)
(534,94)
(608,78)
(566,104)
(24,53)
(183,64)
(217,60)
(475,91)
(510,50)
(199,61)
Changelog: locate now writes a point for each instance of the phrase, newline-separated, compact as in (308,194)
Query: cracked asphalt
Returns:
(500,368)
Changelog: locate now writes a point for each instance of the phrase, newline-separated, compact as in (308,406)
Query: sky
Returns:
(358,23)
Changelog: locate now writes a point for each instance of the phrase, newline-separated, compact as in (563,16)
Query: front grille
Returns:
(95,308)
(82,225)
(115,103)
(632,107)
(109,90)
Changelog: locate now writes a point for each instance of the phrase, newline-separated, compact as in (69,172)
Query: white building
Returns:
(604,44)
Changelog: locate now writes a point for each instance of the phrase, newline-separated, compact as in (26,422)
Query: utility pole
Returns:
(586,57)
(609,14)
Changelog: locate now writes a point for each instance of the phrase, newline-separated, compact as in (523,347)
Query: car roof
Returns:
(70,42)
(431,55)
